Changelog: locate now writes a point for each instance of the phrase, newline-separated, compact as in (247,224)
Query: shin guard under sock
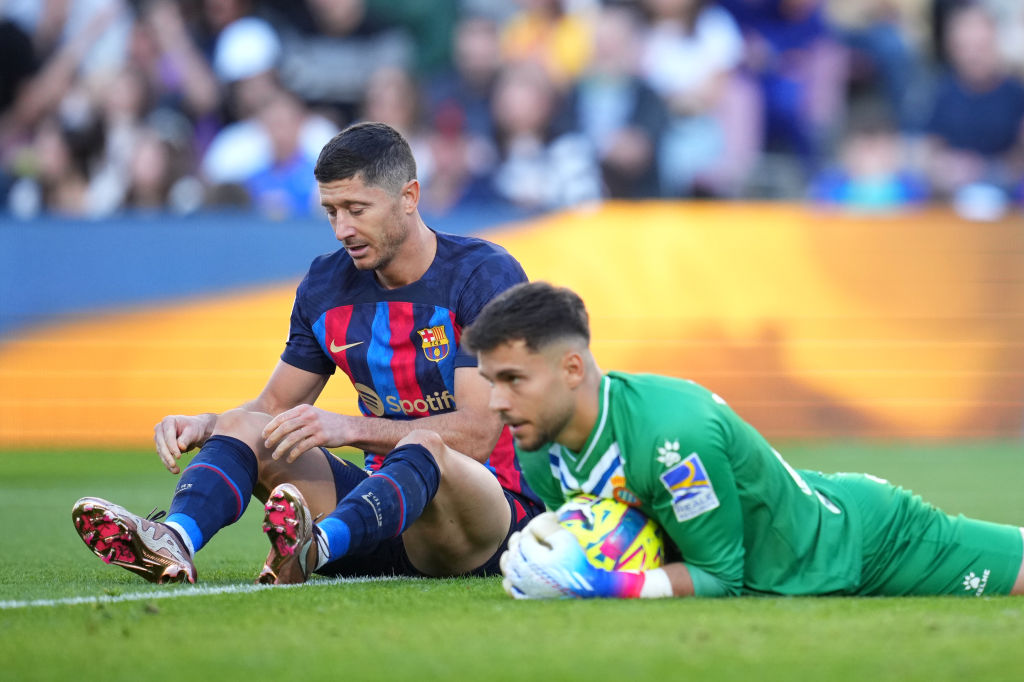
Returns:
(214,489)
(384,504)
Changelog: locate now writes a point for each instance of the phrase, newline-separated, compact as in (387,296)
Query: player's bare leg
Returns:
(1018,586)
(466,521)
(310,473)
(294,494)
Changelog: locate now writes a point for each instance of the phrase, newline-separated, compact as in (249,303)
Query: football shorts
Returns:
(389,558)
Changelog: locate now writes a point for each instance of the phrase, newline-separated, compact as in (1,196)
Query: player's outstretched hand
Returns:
(178,433)
(522,580)
(301,428)
(546,561)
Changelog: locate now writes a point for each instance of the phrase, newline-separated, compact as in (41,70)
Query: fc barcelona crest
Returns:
(435,343)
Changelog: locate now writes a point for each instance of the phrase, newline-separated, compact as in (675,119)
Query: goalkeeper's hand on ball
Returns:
(545,561)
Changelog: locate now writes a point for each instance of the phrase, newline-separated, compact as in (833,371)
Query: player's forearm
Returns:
(679,579)
(259,404)
(460,431)
(288,387)
(671,580)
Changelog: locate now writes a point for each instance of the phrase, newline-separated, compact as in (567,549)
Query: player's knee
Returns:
(245,425)
(431,440)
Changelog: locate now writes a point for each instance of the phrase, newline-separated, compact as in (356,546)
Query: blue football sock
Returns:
(214,490)
(384,504)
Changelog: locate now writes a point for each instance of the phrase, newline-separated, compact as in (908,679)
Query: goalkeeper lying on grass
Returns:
(741,519)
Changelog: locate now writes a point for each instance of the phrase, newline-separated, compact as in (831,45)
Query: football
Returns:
(613,535)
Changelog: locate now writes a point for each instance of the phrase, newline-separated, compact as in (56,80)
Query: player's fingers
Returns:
(544,526)
(270,431)
(539,520)
(165,439)
(165,456)
(285,423)
(283,449)
(166,434)
(505,561)
(272,437)
(301,448)
(281,439)
(512,591)
(531,549)
(562,540)
(533,582)
(188,437)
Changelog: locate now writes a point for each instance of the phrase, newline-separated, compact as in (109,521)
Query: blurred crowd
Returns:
(117,106)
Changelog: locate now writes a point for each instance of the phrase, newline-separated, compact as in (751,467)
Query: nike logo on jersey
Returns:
(338,349)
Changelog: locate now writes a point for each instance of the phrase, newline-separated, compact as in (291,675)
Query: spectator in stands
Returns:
(392,97)
(692,50)
(886,39)
(801,69)
(976,127)
(1009,18)
(158,179)
(121,100)
(429,24)
(873,173)
(451,162)
(331,64)
(461,137)
(179,75)
(284,187)
(539,167)
(461,166)
(86,86)
(621,116)
(246,61)
(547,34)
(75,30)
(60,159)
(469,83)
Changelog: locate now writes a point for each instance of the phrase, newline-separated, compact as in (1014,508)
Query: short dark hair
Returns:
(376,150)
(535,312)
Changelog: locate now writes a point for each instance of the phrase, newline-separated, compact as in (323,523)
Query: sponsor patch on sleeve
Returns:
(690,487)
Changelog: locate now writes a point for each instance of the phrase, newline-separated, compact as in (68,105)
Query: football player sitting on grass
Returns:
(738,517)
(388,309)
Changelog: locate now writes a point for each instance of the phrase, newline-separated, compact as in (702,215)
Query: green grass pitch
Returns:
(65,615)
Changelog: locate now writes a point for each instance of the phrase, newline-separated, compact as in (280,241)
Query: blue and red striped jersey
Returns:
(400,347)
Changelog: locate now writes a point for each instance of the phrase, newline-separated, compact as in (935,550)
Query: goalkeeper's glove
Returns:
(546,561)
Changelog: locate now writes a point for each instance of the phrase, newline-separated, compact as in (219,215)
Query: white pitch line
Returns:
(200,591)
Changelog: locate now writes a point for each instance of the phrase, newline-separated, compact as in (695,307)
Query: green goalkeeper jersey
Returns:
(742,518)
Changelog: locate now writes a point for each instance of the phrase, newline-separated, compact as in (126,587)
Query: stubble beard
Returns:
(550,429)
(391,242)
